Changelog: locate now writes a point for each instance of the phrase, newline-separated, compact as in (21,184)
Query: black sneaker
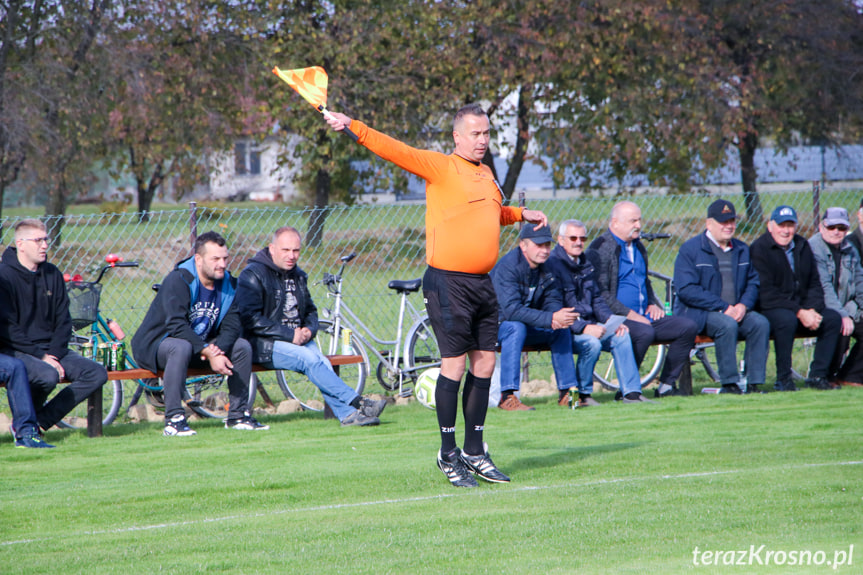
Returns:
(818,383)
(673,392)
(453,467)
(246,423)
(483,466)
(31,438)
(731,388)
(372,407)
(784,386)
(177,426)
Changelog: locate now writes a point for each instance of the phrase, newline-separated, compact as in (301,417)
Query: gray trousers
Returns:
(175,357)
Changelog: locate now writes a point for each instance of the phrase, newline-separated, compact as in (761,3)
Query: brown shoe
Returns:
(512,403)
(563,401)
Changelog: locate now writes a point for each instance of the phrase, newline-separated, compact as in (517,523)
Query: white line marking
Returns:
(336,506)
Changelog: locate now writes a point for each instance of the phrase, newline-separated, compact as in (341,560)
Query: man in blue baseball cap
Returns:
(792,299)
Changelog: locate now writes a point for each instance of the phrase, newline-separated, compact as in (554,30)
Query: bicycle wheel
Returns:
(207,395)
(421,349)
(706,354)
(297,386)
(604,372)
(112,400)
(801,357)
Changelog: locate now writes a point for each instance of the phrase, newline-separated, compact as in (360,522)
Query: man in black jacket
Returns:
(531,312)
(281,320)
(36,324)
(621,272)
(792,299)
(194,322)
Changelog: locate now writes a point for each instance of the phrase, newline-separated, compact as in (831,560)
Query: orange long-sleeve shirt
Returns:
(464,206)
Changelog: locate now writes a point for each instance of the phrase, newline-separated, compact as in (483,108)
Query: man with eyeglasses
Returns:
(597,328)
(35,324)
(717,287)
(842,281)
(792,299)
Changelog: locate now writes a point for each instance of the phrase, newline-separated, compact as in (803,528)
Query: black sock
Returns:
(561,393)
(632,395)
(474,407)
(583,396)
(355,403)
(446,407)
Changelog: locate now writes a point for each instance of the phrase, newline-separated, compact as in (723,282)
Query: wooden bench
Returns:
(94,402)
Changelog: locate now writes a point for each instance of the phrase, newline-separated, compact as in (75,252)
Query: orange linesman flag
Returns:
(311,84)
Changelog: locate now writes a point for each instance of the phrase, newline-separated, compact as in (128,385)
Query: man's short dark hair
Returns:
(469,110)
(287,230)
(208,238)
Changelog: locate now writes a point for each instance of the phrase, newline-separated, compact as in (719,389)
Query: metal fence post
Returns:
(193,224)
(816,203)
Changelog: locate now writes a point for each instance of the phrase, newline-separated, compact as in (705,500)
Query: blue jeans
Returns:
(513,335)
(308,360)
(588,347)
(14,375)
(725,331)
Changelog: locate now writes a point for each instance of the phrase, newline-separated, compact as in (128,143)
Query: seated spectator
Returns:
(594,330)
(621,266)
(281,321)
(25,426)
(531,312)
(194,321)
(842,281)
(36,326)
(856,237)
(717,288)
(792,300)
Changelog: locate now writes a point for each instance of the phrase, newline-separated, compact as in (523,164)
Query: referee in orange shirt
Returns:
(464,213)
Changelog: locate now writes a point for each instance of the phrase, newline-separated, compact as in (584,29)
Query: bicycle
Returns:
(84,299)
(399,362)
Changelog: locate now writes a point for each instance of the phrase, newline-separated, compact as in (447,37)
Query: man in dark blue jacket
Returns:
(717,287)
(281,321)
(194,322)
(621,274)
(792,299)
(531,312)
(597,328)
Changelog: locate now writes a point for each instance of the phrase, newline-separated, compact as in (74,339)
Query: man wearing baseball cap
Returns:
(531,312)
(792,298)
(842,281)
(856,237)
(717,288)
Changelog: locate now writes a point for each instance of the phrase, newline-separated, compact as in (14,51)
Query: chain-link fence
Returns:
(389,241)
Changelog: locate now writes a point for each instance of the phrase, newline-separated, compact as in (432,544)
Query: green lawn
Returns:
(613,489)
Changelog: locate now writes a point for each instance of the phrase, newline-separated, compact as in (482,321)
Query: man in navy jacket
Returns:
(792,298)
(717,287)
(531,312)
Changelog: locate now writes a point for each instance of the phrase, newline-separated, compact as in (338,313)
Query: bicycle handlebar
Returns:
(115,264)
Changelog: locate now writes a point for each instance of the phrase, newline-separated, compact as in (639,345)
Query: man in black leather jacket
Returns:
(281,321)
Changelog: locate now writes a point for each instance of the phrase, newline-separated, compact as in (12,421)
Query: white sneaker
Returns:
(177,426)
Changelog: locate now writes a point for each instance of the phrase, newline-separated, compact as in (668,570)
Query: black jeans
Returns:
(175,358)
(85,377)
(784,325)
(852,367)
(677,331)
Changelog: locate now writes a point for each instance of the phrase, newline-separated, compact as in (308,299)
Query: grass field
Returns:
(613,489)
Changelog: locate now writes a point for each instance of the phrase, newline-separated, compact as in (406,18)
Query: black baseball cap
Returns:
(540,236)
(721,211)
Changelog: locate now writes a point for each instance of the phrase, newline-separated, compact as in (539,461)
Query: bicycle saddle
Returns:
(405,286)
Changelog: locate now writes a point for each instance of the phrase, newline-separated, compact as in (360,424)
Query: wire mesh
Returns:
(389,241)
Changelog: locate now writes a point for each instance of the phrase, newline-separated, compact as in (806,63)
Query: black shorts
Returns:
(462,309)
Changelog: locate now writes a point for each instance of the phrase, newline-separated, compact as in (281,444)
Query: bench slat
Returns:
(139,373)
